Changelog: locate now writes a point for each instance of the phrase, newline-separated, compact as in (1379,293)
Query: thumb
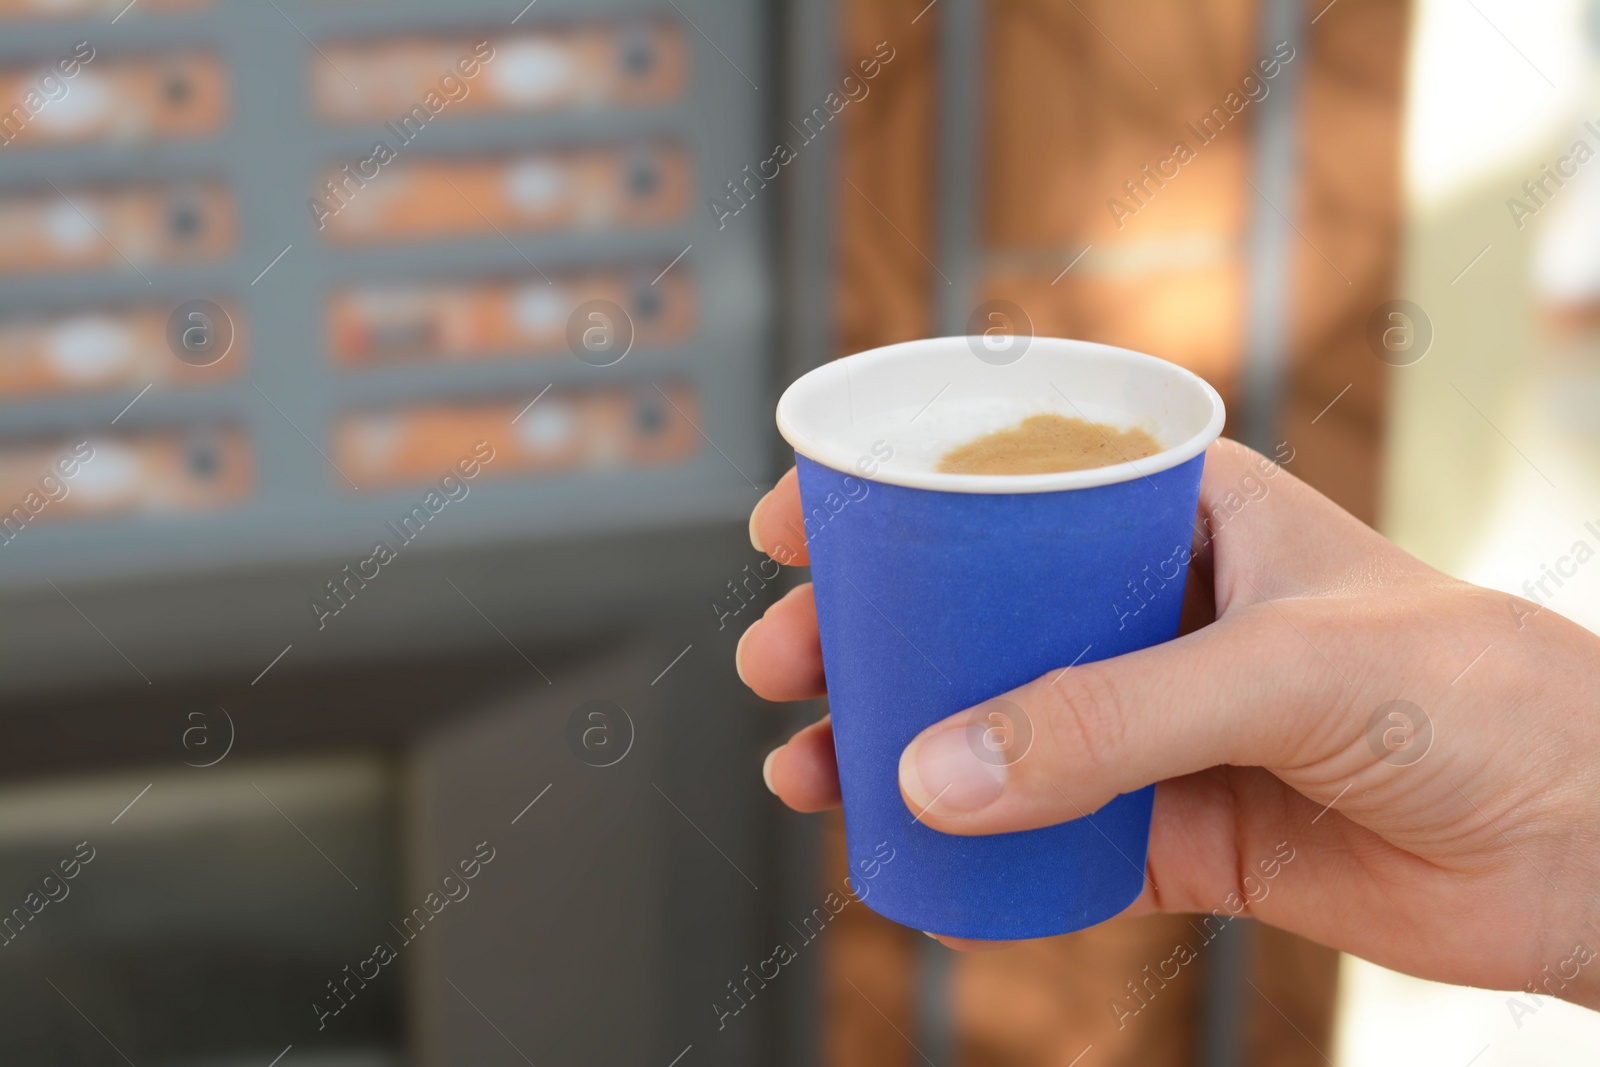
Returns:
(1062,746)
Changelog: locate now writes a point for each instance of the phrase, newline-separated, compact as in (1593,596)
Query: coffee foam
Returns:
(920,439)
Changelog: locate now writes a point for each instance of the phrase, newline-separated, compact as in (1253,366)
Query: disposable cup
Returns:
(937,592)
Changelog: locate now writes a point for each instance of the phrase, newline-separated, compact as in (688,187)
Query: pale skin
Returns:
(1478,863)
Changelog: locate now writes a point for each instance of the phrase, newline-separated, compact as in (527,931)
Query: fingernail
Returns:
(942,768)
(766,769)
(738,653)
(928,935)
(755,540)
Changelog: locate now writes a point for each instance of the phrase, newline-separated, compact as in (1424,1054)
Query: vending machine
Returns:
(381,401)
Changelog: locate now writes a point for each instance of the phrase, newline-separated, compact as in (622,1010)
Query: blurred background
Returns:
(383,389)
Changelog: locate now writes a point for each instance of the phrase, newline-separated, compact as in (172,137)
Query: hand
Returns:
(1467,854)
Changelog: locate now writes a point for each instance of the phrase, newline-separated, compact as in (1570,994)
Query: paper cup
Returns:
(936,592)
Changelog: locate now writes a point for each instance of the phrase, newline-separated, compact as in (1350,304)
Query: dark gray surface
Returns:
(562,944)
(1273,240)
(622,902)
(962,77)
(507,596)
(611,920)
(205,927)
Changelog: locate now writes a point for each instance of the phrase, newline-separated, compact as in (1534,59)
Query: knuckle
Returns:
(1085,719)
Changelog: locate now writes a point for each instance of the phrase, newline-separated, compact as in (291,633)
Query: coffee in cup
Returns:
(1044,444)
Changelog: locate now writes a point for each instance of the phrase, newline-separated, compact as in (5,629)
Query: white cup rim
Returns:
(796,419)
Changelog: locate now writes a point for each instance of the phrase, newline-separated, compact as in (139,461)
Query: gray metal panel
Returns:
(960,147)
(556,590)
(570,915)
(302,516)
(1274,170)
(272,146)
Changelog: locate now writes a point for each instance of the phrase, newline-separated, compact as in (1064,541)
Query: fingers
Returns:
(1248,689)
(775,523)
(1242,691)
(1262,532)
(780,658)
(802,773)
(964,944)
(780,655)
(1199,598)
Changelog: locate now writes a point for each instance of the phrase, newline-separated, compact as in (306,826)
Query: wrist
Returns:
(1574,973)
(1585,990)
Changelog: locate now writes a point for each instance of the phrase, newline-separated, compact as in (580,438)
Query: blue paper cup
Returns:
(936,592)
